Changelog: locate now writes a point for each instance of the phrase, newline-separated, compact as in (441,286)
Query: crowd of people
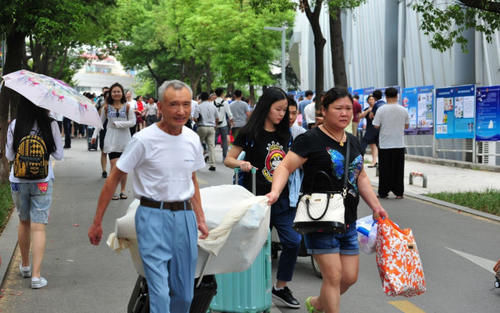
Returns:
(163,142)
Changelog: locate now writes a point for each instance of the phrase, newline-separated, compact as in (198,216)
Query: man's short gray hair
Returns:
(176,84)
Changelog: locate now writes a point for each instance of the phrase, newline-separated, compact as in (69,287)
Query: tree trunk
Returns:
(319,40)
(337,48)
(13,62)
(230,89)
(251,90)
(210,78)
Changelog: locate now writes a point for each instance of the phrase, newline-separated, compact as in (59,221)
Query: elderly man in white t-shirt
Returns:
(164,159)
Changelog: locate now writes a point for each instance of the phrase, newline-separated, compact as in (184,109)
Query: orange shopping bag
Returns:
(398,261)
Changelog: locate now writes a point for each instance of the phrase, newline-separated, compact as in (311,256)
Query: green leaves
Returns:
(201,39)
(446,24)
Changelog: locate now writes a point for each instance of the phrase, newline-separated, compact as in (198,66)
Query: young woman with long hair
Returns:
(120,118)
(32,197)
(265,140)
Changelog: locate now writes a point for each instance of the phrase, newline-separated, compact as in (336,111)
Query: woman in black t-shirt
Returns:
(371,134)
(265,140)
(324,149)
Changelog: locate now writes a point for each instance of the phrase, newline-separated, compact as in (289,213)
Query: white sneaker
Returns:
(38,282)
(25,270)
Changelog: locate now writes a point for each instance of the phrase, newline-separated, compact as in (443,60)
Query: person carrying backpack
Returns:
(225,120)
(31,139)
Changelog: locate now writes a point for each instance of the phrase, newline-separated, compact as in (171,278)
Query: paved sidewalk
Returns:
(442,178)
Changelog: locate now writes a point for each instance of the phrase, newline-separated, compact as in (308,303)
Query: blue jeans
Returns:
(329,243)
(168,248)
(282,217)
(32,201)
(223,132)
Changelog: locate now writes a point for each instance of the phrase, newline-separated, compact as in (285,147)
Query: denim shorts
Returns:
(327,243)
(32,201)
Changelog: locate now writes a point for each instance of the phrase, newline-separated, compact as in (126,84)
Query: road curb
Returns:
(8,244)
(453,206)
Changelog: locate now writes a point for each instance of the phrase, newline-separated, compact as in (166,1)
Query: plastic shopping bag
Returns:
(367,234)
(398,260)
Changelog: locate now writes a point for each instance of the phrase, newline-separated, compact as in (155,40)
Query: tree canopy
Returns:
(201,41)
(445,24)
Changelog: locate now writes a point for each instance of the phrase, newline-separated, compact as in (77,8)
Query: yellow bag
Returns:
(32,158)
(398,260)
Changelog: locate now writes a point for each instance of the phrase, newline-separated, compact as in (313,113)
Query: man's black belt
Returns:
(172,206)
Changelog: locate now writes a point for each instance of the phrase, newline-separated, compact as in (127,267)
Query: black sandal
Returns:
(115,197)
(123,196)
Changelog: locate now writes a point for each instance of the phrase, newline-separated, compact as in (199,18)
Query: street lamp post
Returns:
(281,29)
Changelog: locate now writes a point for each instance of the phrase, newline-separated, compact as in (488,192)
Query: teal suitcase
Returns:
(248,291)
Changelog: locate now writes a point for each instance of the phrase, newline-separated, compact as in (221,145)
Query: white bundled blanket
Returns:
(238,223)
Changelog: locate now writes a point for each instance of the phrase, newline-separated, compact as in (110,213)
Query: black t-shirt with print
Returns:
(265,153)
(325,154)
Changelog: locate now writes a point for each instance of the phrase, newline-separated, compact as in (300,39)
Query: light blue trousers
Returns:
(168,248)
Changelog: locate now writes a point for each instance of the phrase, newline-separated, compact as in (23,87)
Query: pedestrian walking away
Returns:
(265,140)
(32,136)
(324,148)
(164,159)
(392,119)
(119,118)
(225,120)
(207,117)
(240,111)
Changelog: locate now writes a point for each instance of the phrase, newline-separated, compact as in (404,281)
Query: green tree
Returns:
(53,28)
(201,41)
(446,24)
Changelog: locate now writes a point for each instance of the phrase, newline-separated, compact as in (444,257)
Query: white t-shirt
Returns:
(162,164)
(133,104)
(392,119)
(151,109)
(310,113)
(194,106)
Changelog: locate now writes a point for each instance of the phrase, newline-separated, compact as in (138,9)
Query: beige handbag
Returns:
(323,211)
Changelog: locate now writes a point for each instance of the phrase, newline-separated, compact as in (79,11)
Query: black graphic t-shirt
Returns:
(265,153)
(325,154)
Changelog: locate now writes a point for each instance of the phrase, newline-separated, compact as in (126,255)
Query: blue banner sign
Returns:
(419,103)
(455,107)
(488,113)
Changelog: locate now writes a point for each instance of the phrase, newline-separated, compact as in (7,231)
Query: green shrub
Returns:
(488,201)
(5,204)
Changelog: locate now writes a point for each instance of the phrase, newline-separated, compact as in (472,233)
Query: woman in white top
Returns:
(120,118)
(32,188)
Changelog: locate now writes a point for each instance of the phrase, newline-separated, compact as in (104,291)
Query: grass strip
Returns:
(6,204)
(487,201)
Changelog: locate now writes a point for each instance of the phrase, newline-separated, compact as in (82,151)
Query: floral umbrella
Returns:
(54,95)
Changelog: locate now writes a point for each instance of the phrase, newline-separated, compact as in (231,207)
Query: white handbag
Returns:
(323,211)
